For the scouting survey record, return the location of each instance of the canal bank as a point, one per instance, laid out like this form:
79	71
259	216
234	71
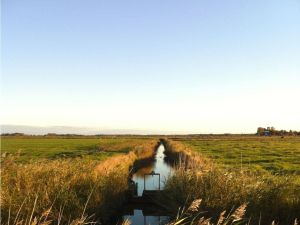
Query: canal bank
145	204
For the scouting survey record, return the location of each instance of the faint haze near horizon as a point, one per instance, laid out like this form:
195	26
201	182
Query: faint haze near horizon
153	66
43	130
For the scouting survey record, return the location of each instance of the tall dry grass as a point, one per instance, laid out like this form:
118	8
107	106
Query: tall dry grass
70	191
268	198
194	216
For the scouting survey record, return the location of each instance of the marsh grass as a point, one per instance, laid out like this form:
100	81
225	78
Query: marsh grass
193	215
268	197
66	191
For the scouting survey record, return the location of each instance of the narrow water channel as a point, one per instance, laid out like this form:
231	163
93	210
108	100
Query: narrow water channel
159	166
151	182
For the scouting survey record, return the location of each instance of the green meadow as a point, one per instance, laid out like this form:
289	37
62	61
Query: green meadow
274	155
26	148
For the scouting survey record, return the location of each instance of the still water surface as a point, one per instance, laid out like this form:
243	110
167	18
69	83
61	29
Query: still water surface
159	165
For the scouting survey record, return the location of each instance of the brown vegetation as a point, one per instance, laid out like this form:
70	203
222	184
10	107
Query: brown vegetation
268	198
69	191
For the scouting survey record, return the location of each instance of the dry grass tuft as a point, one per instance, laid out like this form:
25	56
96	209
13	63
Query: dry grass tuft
192	216
239	213
194	207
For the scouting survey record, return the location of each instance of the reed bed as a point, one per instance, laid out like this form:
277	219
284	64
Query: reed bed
268	197
193	215
66	191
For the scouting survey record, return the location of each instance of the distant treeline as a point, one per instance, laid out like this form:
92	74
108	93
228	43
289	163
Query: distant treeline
261	131
270	131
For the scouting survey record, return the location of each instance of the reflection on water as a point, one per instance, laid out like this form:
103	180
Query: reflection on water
160	166
138	219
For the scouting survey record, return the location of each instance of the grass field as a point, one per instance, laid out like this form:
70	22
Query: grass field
261	172
275	155
70	178
35	148
66	180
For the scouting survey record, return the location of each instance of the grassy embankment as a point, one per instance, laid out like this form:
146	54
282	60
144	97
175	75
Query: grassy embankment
70	180
226	172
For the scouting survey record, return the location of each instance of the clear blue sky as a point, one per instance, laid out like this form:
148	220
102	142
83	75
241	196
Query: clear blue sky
187	66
